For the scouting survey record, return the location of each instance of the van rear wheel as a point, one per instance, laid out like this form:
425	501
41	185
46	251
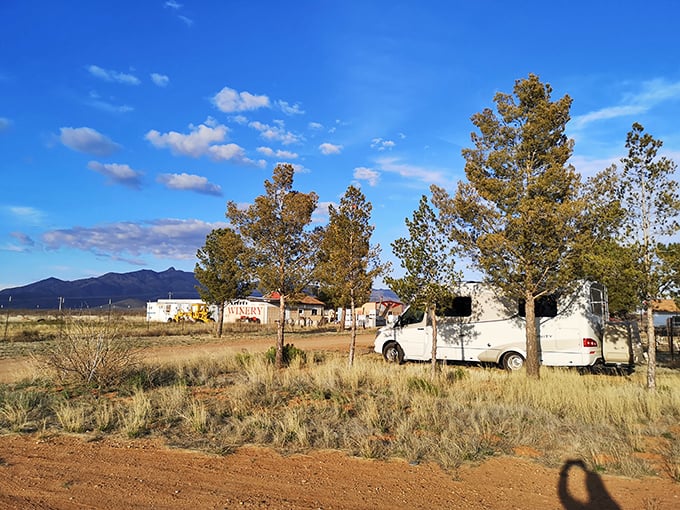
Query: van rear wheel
393	353
513	361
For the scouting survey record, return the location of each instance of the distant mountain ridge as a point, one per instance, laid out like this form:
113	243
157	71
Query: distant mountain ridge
121	290
128	290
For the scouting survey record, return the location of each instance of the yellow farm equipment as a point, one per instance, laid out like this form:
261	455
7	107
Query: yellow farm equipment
199	312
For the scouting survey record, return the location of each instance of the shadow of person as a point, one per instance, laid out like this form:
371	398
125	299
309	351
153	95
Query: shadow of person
597	499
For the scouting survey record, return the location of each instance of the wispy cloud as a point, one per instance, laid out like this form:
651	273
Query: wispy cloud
163	238
316	126
369	175
202	141
160	79
5	123
290	109
327	148
97	102
25	214
23	243
425	175
88	141
176	6
114	76
277	132
271	153
229	100
189	182
381	145
118	174
652	93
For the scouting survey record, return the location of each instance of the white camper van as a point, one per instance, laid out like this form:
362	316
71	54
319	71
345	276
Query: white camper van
480	326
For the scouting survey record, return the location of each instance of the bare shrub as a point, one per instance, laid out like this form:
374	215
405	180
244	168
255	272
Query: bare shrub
90	352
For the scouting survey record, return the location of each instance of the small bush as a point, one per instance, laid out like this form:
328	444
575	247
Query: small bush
90	353
290	352
30	335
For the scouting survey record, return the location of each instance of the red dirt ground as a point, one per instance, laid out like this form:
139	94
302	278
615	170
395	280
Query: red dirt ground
76	472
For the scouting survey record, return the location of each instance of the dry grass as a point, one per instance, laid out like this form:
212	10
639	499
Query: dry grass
376	410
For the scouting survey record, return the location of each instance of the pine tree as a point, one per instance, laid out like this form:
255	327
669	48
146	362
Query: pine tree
223	271
650	197
520	216
348	263
283	248
429	267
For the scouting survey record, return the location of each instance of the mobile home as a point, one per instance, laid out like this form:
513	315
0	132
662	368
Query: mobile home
479	325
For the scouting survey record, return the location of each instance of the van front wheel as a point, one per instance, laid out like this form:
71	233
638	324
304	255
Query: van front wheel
393	353
513	361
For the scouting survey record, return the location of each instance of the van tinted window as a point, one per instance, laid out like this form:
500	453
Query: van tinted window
411	316
459	306
545	306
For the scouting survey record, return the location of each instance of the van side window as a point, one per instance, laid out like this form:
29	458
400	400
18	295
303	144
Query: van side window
598	300
459	306
545	306
411	316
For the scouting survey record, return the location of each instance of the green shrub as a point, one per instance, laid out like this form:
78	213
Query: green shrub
290	352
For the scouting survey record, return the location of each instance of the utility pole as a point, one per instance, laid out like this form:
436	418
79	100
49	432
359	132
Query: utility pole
7	319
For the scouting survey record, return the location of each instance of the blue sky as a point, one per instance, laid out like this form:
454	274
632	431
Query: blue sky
126	126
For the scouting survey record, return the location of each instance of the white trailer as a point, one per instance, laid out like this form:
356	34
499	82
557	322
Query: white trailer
165	310
481	326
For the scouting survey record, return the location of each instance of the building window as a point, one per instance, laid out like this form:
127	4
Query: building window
301	311
315	311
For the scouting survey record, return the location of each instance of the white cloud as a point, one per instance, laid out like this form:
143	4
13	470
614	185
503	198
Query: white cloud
187	21
96	102
381	145
316	126
276	133
194	144
5	123
25	214
652	93
115	76
367	174
201	141
290	109
117	173
88	141
190	182
160	79
424	175
229	100
173	5
271	153
329	148
163	238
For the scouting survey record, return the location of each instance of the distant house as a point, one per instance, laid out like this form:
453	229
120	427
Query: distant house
663	309
306	311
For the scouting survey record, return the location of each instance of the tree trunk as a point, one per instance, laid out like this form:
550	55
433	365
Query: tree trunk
533	362
433	318
651	348
341	319
220	319
353	334
279	331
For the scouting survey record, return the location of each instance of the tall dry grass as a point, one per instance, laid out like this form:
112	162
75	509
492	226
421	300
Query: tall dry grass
379	410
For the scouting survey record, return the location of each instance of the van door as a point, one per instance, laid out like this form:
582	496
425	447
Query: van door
413	334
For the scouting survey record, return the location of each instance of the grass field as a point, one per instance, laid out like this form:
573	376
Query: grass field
373	410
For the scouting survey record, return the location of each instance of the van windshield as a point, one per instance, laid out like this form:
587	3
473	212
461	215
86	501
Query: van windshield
411	316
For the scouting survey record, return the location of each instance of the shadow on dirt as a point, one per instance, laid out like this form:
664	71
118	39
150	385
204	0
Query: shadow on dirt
598	498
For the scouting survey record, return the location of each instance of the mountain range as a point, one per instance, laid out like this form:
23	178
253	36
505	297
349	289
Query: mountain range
119	290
